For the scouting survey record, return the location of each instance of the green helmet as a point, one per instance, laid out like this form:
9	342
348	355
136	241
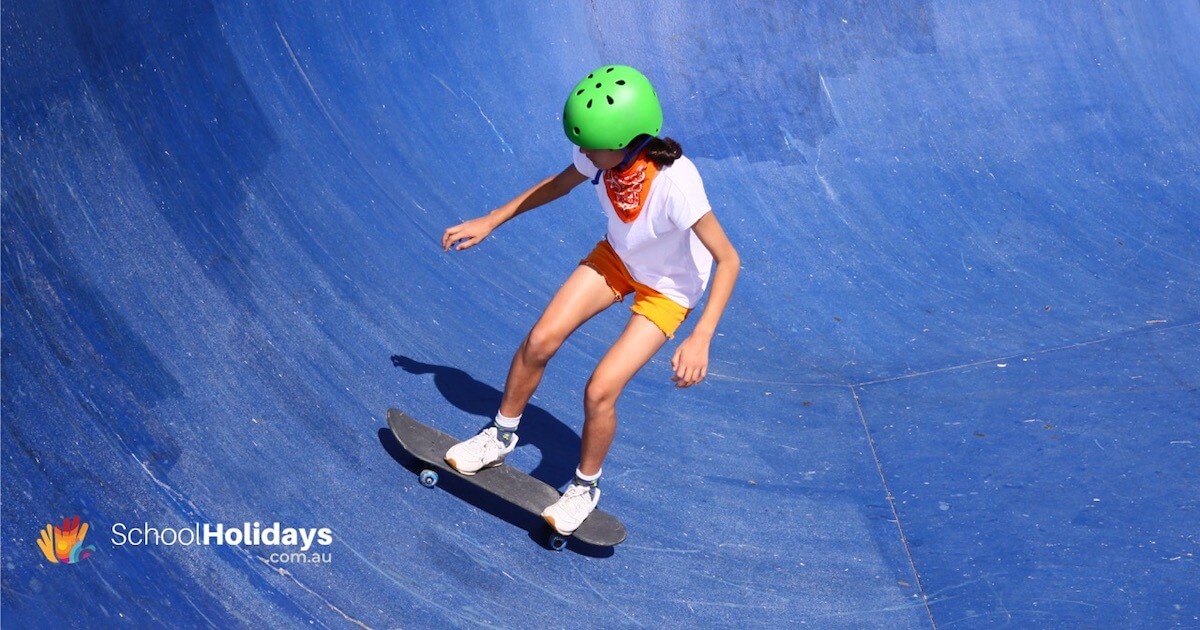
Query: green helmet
610	107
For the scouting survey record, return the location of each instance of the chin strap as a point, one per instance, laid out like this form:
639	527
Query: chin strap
629	156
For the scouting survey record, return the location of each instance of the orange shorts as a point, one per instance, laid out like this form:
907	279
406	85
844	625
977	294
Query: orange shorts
664	312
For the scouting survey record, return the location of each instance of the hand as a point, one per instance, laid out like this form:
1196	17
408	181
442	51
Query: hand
46	544
467	234
690	361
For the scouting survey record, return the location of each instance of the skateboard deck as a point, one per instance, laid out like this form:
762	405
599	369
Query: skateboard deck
504	482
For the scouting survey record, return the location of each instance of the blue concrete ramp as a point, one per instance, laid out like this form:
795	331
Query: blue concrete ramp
956	387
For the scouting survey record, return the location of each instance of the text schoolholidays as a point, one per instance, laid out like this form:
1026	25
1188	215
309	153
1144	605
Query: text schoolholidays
249	534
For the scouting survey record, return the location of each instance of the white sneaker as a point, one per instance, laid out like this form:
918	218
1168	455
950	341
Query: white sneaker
569	512
485	450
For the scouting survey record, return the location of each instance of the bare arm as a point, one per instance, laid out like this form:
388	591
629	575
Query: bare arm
470	233
690	361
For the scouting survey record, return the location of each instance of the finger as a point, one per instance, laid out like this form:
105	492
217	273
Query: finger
453	240
47	549
681	377
696	375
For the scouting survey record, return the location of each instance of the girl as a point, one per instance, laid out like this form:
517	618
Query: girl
661	243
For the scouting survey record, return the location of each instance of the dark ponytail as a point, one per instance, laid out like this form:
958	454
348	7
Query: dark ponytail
661	151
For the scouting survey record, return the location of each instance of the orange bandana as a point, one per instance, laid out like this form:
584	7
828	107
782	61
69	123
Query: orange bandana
628	189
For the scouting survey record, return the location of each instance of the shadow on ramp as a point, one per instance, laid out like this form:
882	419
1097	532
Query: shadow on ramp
558	443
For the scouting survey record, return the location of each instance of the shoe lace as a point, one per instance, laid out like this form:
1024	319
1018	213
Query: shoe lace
478	445
578	499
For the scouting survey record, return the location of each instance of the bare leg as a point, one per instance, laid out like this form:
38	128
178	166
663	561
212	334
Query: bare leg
584	294
632	350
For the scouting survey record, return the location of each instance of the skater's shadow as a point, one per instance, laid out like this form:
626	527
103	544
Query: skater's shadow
558	443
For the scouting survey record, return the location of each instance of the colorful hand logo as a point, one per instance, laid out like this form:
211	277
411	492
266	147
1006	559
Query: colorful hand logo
65	544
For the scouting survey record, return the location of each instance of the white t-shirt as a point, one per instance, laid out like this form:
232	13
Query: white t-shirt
658	247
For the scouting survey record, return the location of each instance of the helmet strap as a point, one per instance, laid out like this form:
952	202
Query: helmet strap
629	157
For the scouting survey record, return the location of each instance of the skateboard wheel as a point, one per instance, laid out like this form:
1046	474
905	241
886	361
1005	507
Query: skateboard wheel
558	542
429	478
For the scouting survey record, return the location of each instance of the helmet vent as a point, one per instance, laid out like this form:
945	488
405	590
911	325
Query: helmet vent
589	104
610	101
620	81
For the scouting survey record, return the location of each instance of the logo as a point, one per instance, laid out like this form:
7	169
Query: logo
272	537
248	534
64	544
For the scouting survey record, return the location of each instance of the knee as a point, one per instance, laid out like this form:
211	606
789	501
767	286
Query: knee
539	347
600	395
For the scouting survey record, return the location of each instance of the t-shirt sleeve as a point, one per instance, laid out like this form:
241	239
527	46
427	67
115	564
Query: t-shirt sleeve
688	200
582	164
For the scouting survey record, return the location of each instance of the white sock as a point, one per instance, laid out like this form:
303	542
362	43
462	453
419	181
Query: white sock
587	480
506	424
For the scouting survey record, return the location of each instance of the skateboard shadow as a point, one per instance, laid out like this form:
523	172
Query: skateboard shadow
558	443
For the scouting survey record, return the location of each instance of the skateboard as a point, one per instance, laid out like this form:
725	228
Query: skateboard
504	482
